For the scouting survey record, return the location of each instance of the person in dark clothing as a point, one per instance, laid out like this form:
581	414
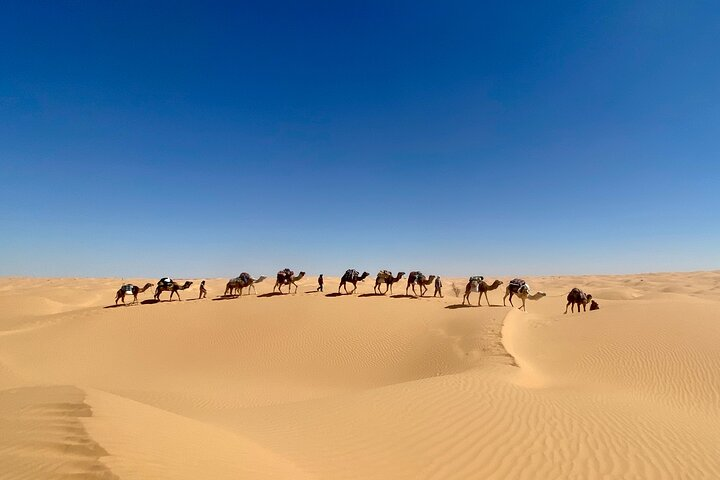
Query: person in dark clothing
203	291
320	283
438	287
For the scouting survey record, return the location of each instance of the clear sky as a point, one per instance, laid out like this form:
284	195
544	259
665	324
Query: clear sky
205	139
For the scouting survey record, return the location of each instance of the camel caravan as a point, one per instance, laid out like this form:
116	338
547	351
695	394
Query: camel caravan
517	287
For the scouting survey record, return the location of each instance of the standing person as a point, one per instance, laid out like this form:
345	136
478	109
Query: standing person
203	291
320	283
438	287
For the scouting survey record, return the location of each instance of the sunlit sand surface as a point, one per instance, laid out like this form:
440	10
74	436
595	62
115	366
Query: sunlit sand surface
361	387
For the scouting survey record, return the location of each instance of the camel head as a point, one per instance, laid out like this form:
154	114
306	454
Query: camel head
536	296
260	278
147	285
400	275
363	276
589	298
496	283
431	278
187	284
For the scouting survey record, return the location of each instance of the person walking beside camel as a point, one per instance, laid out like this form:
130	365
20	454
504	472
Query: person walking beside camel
438	287
203	291
320	283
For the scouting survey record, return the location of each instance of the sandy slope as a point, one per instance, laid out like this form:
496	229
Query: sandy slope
316	386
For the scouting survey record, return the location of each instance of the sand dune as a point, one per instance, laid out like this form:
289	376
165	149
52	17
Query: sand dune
322	386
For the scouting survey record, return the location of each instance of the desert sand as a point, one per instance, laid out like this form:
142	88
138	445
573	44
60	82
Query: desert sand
310	386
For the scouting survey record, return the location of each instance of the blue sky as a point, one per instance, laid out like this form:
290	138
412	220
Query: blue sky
205	139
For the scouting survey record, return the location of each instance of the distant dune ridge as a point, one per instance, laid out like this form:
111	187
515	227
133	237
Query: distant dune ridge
320	386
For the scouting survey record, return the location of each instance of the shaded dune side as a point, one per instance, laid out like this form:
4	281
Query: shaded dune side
43	435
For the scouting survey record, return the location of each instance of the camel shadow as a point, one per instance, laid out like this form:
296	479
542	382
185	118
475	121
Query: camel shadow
458	305
364	295
335	294
120	305
405	296
272	294
225	297
311	291
151	301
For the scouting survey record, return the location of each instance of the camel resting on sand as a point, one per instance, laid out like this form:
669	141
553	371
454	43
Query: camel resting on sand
130	289
577	296
241	281
594	306
479	286
168	285
417	278
520	288
286	277
386	277
351	276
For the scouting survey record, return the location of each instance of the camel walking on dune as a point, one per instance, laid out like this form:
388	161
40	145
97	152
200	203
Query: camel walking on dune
130	289
168	285
386	277
244	280
417	278
351	276
286	277
577	297
521	289
477	284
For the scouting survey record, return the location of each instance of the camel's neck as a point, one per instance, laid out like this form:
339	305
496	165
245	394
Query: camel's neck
397	279
493	286
295	279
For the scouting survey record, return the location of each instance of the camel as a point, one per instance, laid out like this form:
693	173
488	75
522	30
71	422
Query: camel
352	276
577	296
479	286
417	278
594	306
128	289
241	281
519	287
387	278
285	277
165	285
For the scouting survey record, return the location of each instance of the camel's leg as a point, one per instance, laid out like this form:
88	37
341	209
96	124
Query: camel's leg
510	299
566	307
339	287
388	287
583	308
506	295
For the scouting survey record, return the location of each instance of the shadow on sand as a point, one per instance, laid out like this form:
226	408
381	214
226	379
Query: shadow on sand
272	294
121	305
335	294
364	295
311	291
224	297
459	305
152	301
405	296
